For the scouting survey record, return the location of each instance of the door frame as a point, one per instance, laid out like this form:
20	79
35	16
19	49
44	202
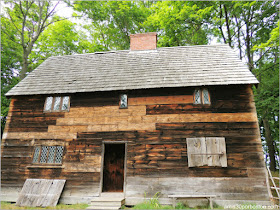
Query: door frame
102	164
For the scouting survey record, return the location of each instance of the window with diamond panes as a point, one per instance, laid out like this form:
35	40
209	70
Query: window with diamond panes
123	101
48	106
197	97
201	96
56	104
36	154
206	99
59	154
48	154
65	103
44	154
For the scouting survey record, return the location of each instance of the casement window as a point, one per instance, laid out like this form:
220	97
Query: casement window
48	154
123	101
57	104
201	96
206	151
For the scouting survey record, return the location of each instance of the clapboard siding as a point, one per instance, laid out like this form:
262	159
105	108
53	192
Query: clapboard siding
155	127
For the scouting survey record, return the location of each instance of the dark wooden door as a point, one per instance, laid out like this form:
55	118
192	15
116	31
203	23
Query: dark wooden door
113	170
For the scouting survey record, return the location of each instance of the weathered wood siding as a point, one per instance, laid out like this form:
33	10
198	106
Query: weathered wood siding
155	126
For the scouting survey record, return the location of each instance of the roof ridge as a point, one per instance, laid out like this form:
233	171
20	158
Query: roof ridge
120	51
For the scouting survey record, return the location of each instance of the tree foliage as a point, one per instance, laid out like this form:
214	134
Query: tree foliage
60	38
28	19
180	23
267	95
113	21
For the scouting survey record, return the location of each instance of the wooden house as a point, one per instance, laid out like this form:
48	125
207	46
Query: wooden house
173	120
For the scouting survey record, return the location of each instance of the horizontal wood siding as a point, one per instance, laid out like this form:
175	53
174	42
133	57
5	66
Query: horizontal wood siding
155	126
26	114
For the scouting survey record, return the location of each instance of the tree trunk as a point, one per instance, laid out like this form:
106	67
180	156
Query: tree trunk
270	144
227	24
24	65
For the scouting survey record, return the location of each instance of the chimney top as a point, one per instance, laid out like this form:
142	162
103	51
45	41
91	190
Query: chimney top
146	41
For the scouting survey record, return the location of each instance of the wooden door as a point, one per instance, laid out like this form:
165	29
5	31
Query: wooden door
113	170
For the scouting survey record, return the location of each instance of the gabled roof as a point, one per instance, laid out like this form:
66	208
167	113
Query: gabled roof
126	70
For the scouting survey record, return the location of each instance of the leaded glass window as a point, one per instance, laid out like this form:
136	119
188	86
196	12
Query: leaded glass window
206	99
36	154
65	103
51	154
201	96
123	101
44	154
48	105
57	103
48	154
59	154
197	97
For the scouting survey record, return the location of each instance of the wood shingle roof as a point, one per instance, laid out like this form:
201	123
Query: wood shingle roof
126	70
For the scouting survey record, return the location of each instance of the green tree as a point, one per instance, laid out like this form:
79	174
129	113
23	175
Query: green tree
28	19
243	24
60	38
180	23
10	62
113	21
267	94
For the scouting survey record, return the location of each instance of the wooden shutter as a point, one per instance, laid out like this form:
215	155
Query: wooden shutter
196	147
209	151
222	149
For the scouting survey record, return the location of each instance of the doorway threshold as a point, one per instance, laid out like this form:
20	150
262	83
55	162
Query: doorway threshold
112	194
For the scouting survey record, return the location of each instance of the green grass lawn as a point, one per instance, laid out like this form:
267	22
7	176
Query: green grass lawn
8	205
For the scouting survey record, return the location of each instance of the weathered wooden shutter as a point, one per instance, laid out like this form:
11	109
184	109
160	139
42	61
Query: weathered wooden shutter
196	147
216	151
210	151
222	150
40	192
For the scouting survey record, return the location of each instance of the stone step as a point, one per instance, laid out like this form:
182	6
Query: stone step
97	199
103	207
106	203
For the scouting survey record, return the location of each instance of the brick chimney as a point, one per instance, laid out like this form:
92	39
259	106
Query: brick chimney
147	41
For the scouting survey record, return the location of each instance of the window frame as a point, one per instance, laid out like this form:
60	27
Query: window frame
201	95
40	152
60	104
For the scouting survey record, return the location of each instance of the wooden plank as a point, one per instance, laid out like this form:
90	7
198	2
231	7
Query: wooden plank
212	148
222	149
26	197
182	99
221	107
51	198
43	190
192	196
196	146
